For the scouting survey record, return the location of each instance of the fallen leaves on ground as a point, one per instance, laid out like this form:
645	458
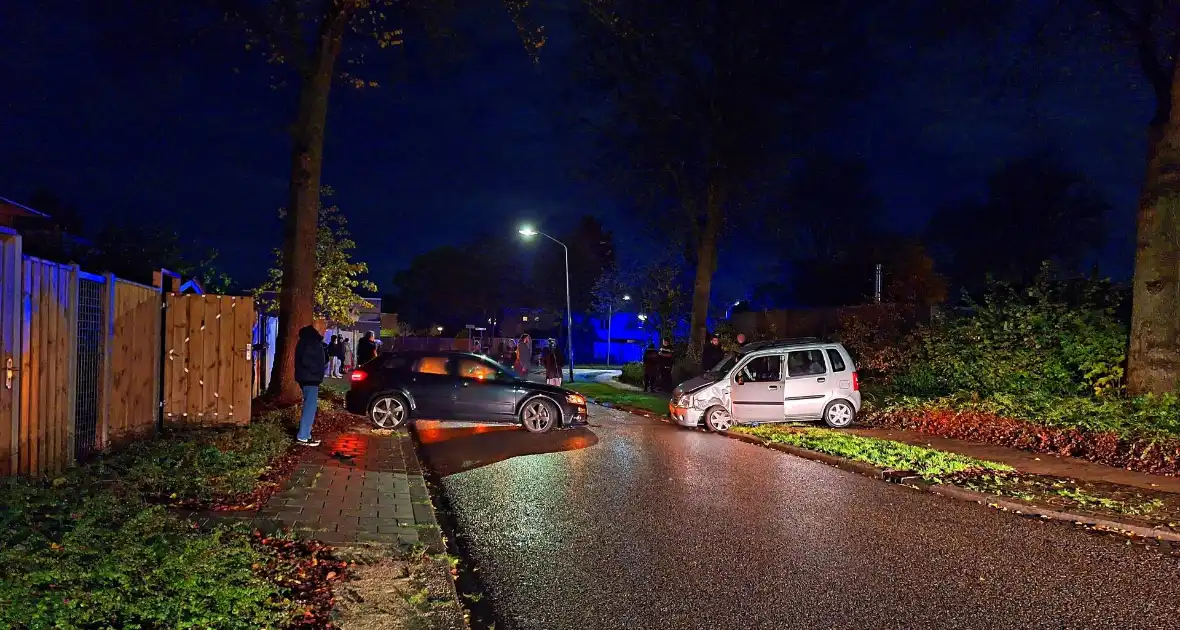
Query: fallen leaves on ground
305	571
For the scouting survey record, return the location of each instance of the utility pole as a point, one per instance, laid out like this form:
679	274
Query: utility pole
877	285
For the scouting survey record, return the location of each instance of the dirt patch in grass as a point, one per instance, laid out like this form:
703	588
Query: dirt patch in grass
408	592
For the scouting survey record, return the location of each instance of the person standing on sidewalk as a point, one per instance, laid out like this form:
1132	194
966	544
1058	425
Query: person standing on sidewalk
366	349
311	361
524	355
712	354
551	358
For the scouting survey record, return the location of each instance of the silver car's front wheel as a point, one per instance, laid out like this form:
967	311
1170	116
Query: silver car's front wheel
388	411
538	415
839	414
718	419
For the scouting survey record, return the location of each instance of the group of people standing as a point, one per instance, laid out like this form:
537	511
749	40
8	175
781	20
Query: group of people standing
338	350
519	354
657	364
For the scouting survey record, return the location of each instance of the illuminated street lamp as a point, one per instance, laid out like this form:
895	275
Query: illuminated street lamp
642	317
527	231
729	310
610	311
440	329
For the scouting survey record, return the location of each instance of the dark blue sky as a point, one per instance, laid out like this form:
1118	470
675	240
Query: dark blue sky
478	147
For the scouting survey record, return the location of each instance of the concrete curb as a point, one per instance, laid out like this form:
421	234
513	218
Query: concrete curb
994	501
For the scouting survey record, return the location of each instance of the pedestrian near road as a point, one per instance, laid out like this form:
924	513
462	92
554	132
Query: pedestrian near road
712	354
366	349
551	358
311	361
651	368
335	356
666	365
524	355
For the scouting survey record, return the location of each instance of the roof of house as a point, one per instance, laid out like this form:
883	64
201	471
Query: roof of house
12	208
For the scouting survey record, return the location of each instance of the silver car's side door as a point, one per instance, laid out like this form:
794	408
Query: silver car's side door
756	389
808	385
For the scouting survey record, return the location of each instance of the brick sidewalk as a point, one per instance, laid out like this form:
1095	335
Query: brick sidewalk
355	488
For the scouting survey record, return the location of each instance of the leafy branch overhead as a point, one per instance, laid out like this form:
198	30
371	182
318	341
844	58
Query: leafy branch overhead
283	31
338	277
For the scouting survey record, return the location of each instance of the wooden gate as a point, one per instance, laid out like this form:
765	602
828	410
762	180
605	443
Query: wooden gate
207	360
10	300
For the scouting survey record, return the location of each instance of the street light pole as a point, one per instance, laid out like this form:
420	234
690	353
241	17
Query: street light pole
610	313
569	314
610	318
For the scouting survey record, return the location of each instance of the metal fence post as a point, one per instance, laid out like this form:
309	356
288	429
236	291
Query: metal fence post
72	367
108	335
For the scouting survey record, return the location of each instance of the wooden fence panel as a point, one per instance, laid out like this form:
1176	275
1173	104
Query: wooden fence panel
207	360
47	349
135	356
10	352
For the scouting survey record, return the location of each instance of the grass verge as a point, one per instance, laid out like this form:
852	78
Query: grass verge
927	463
623	398
95	547
1151	508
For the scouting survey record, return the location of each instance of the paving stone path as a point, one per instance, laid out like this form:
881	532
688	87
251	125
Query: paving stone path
358	488
355	488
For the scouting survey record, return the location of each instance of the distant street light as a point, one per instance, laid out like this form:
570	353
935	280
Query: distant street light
440	329
610	312
527	231
729	310
642	317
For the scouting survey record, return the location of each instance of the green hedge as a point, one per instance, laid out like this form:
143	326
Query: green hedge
1055	338
91	550
632	374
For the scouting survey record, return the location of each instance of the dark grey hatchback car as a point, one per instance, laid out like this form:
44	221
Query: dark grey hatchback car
459	386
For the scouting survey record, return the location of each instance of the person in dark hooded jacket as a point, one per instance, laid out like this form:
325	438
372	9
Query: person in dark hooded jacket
311	360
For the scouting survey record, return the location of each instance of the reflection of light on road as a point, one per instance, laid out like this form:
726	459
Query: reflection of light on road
538	487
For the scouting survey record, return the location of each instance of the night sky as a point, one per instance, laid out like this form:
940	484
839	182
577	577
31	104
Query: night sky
479	146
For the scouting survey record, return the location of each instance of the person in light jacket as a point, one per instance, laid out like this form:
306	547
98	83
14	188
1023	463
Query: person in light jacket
311	361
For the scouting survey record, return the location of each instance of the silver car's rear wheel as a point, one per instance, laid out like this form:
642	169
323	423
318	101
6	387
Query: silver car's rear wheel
718	419
389	411
839	414
539	415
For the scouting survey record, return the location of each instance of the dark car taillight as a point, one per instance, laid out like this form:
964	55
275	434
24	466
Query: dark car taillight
360	375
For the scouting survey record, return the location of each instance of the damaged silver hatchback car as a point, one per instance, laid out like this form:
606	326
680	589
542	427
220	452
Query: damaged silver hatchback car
791	380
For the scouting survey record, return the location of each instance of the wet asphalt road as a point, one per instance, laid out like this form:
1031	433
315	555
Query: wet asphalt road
636	524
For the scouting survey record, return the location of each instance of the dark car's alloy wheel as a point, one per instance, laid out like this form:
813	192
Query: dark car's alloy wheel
538	415
388	411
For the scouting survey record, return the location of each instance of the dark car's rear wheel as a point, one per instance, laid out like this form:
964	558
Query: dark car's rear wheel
539	415
389	411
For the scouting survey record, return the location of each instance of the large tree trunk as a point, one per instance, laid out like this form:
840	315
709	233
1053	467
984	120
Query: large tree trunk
702	288
296	300
1153	361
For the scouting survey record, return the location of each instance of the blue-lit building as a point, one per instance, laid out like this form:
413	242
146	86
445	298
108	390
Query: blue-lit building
627	334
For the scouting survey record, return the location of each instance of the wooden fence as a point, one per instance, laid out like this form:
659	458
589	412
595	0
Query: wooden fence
207	370
81	354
